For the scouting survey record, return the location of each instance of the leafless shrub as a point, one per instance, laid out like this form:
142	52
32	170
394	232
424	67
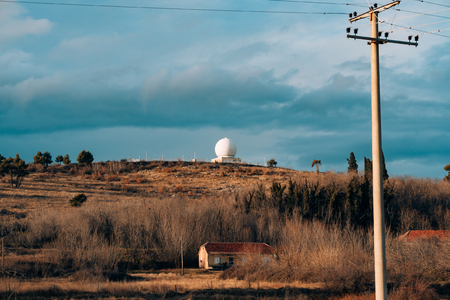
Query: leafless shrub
111	177
97	176
140	180
127	188
414	290
103	236
179	188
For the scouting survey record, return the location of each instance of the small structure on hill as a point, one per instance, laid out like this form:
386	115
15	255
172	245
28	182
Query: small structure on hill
226	151
425	235
223	255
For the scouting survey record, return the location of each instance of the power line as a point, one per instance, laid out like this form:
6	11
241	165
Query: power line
424	14
320	2
411	27
438	4
176	8
423	32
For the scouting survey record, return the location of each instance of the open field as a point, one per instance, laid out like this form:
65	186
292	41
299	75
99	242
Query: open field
194	284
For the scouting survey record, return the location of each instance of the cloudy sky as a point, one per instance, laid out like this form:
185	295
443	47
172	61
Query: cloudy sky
129	82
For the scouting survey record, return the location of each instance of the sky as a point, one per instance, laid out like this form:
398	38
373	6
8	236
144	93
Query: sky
167	83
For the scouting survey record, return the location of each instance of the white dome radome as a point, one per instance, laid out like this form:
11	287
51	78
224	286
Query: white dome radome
226	147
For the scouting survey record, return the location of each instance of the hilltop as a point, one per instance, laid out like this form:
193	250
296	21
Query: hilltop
53	186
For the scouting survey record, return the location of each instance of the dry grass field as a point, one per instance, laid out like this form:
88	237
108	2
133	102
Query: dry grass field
118	182
120	242
194	284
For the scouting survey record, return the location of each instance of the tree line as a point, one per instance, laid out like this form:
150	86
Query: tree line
16	168
349	204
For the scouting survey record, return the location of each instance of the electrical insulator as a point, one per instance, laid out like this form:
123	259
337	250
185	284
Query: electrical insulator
416	38
379	33
348	29
386	34
355	14
350	15
375	5
410	37
355	30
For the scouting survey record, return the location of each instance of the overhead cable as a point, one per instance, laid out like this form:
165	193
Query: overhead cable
434	3
320	2
176	8
411	27
423	32
431	13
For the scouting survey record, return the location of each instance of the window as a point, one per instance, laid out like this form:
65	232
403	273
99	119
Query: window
231	261
217	260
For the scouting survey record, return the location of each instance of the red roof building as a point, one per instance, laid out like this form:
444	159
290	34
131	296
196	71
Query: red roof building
416	235
222	255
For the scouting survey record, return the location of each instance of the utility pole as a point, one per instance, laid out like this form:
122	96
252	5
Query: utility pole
378	202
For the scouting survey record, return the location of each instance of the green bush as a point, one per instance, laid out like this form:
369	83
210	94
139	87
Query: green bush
78	200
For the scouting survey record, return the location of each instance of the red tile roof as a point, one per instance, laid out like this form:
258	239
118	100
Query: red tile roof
238	248
414	235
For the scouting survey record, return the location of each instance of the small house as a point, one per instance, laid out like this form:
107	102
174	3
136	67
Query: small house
223	255
425	235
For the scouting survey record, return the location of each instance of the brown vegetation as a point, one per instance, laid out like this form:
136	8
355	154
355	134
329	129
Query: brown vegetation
139	224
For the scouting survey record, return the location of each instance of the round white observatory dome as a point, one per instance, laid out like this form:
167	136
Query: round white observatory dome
226	147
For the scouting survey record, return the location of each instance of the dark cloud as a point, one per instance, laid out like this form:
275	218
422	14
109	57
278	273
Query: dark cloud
325	123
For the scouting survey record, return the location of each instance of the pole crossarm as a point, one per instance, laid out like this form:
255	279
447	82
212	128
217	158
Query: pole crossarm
375	10
381	41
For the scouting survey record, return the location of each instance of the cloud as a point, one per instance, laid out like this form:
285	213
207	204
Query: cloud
13	23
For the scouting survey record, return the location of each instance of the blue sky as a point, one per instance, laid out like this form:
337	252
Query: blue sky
135	82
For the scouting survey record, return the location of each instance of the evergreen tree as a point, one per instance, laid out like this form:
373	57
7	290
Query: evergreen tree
85	157
78	200
366	204
42	159
334	203
2	171
47	158
272	163
352	165
59	159
38	158
15	168
352	204
383	166
66	159
367	169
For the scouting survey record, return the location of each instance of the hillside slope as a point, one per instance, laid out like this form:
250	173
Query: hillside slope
52	187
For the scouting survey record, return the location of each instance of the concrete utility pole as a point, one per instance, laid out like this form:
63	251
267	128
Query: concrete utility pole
378	201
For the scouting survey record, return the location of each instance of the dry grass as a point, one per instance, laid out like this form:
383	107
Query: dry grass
168	201
193	284
45	190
